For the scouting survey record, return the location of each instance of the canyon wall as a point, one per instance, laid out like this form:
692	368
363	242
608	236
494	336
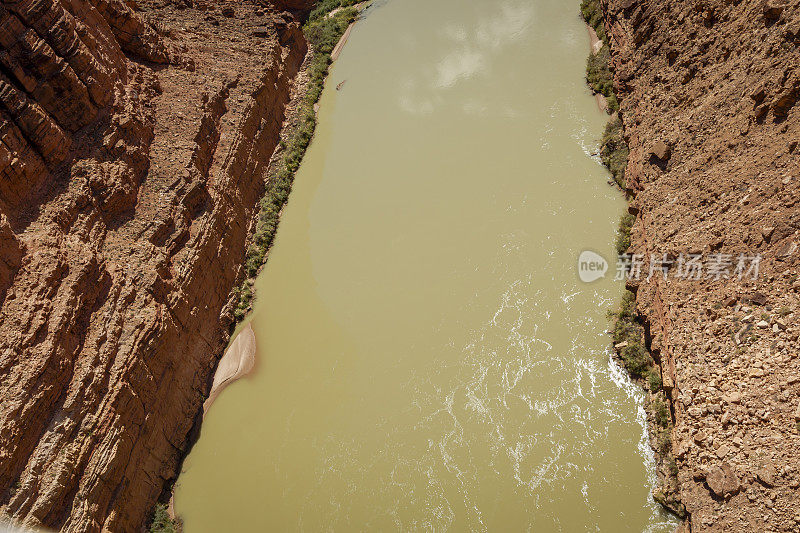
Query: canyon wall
135	142
709	94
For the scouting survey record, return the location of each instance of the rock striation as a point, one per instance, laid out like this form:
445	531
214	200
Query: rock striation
708	95
136	137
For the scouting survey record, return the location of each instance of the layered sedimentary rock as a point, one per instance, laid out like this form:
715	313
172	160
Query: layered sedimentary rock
709	96
135	143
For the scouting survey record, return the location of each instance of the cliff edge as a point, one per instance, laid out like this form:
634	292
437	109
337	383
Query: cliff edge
708	94
136	137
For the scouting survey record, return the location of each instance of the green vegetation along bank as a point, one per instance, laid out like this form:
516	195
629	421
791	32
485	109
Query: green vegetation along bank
325	26
628	334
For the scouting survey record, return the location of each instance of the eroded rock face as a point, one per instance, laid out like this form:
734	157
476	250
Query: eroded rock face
135	143
11	252
299	6
709	93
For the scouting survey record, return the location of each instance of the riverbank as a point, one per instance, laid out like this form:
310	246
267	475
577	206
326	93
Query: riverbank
630	339
239	358
712	171
595	45
325	29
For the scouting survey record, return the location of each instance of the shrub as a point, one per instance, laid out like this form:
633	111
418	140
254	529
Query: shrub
612	102
636	359
623	240
162	523
326	6
625	326
245	294
628	305
672	468
590	10
661	412
664	442
625	329
614	151
654	380
323	8
598	75
323	32
598	72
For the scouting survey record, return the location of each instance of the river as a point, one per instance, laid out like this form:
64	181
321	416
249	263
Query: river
427	357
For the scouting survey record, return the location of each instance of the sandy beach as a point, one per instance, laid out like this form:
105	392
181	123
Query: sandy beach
338	48
238	361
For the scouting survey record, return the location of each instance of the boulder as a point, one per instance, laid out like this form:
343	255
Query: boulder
772	10
766	475
758	94
723	481
758	298
661	150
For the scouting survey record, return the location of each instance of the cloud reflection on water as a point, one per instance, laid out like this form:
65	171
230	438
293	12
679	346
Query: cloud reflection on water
471	49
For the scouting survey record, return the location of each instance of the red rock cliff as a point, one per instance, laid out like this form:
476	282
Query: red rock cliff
709	95
135	141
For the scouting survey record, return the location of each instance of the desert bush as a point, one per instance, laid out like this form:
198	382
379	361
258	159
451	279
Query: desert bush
598	74
162	523
614	150
654	380
623	239
636	359
590	10
661	412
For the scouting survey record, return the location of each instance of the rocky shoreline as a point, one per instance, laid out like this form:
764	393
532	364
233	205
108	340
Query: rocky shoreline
240	356
711	125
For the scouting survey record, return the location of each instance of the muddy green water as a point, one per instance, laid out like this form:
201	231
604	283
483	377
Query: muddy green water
427	357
